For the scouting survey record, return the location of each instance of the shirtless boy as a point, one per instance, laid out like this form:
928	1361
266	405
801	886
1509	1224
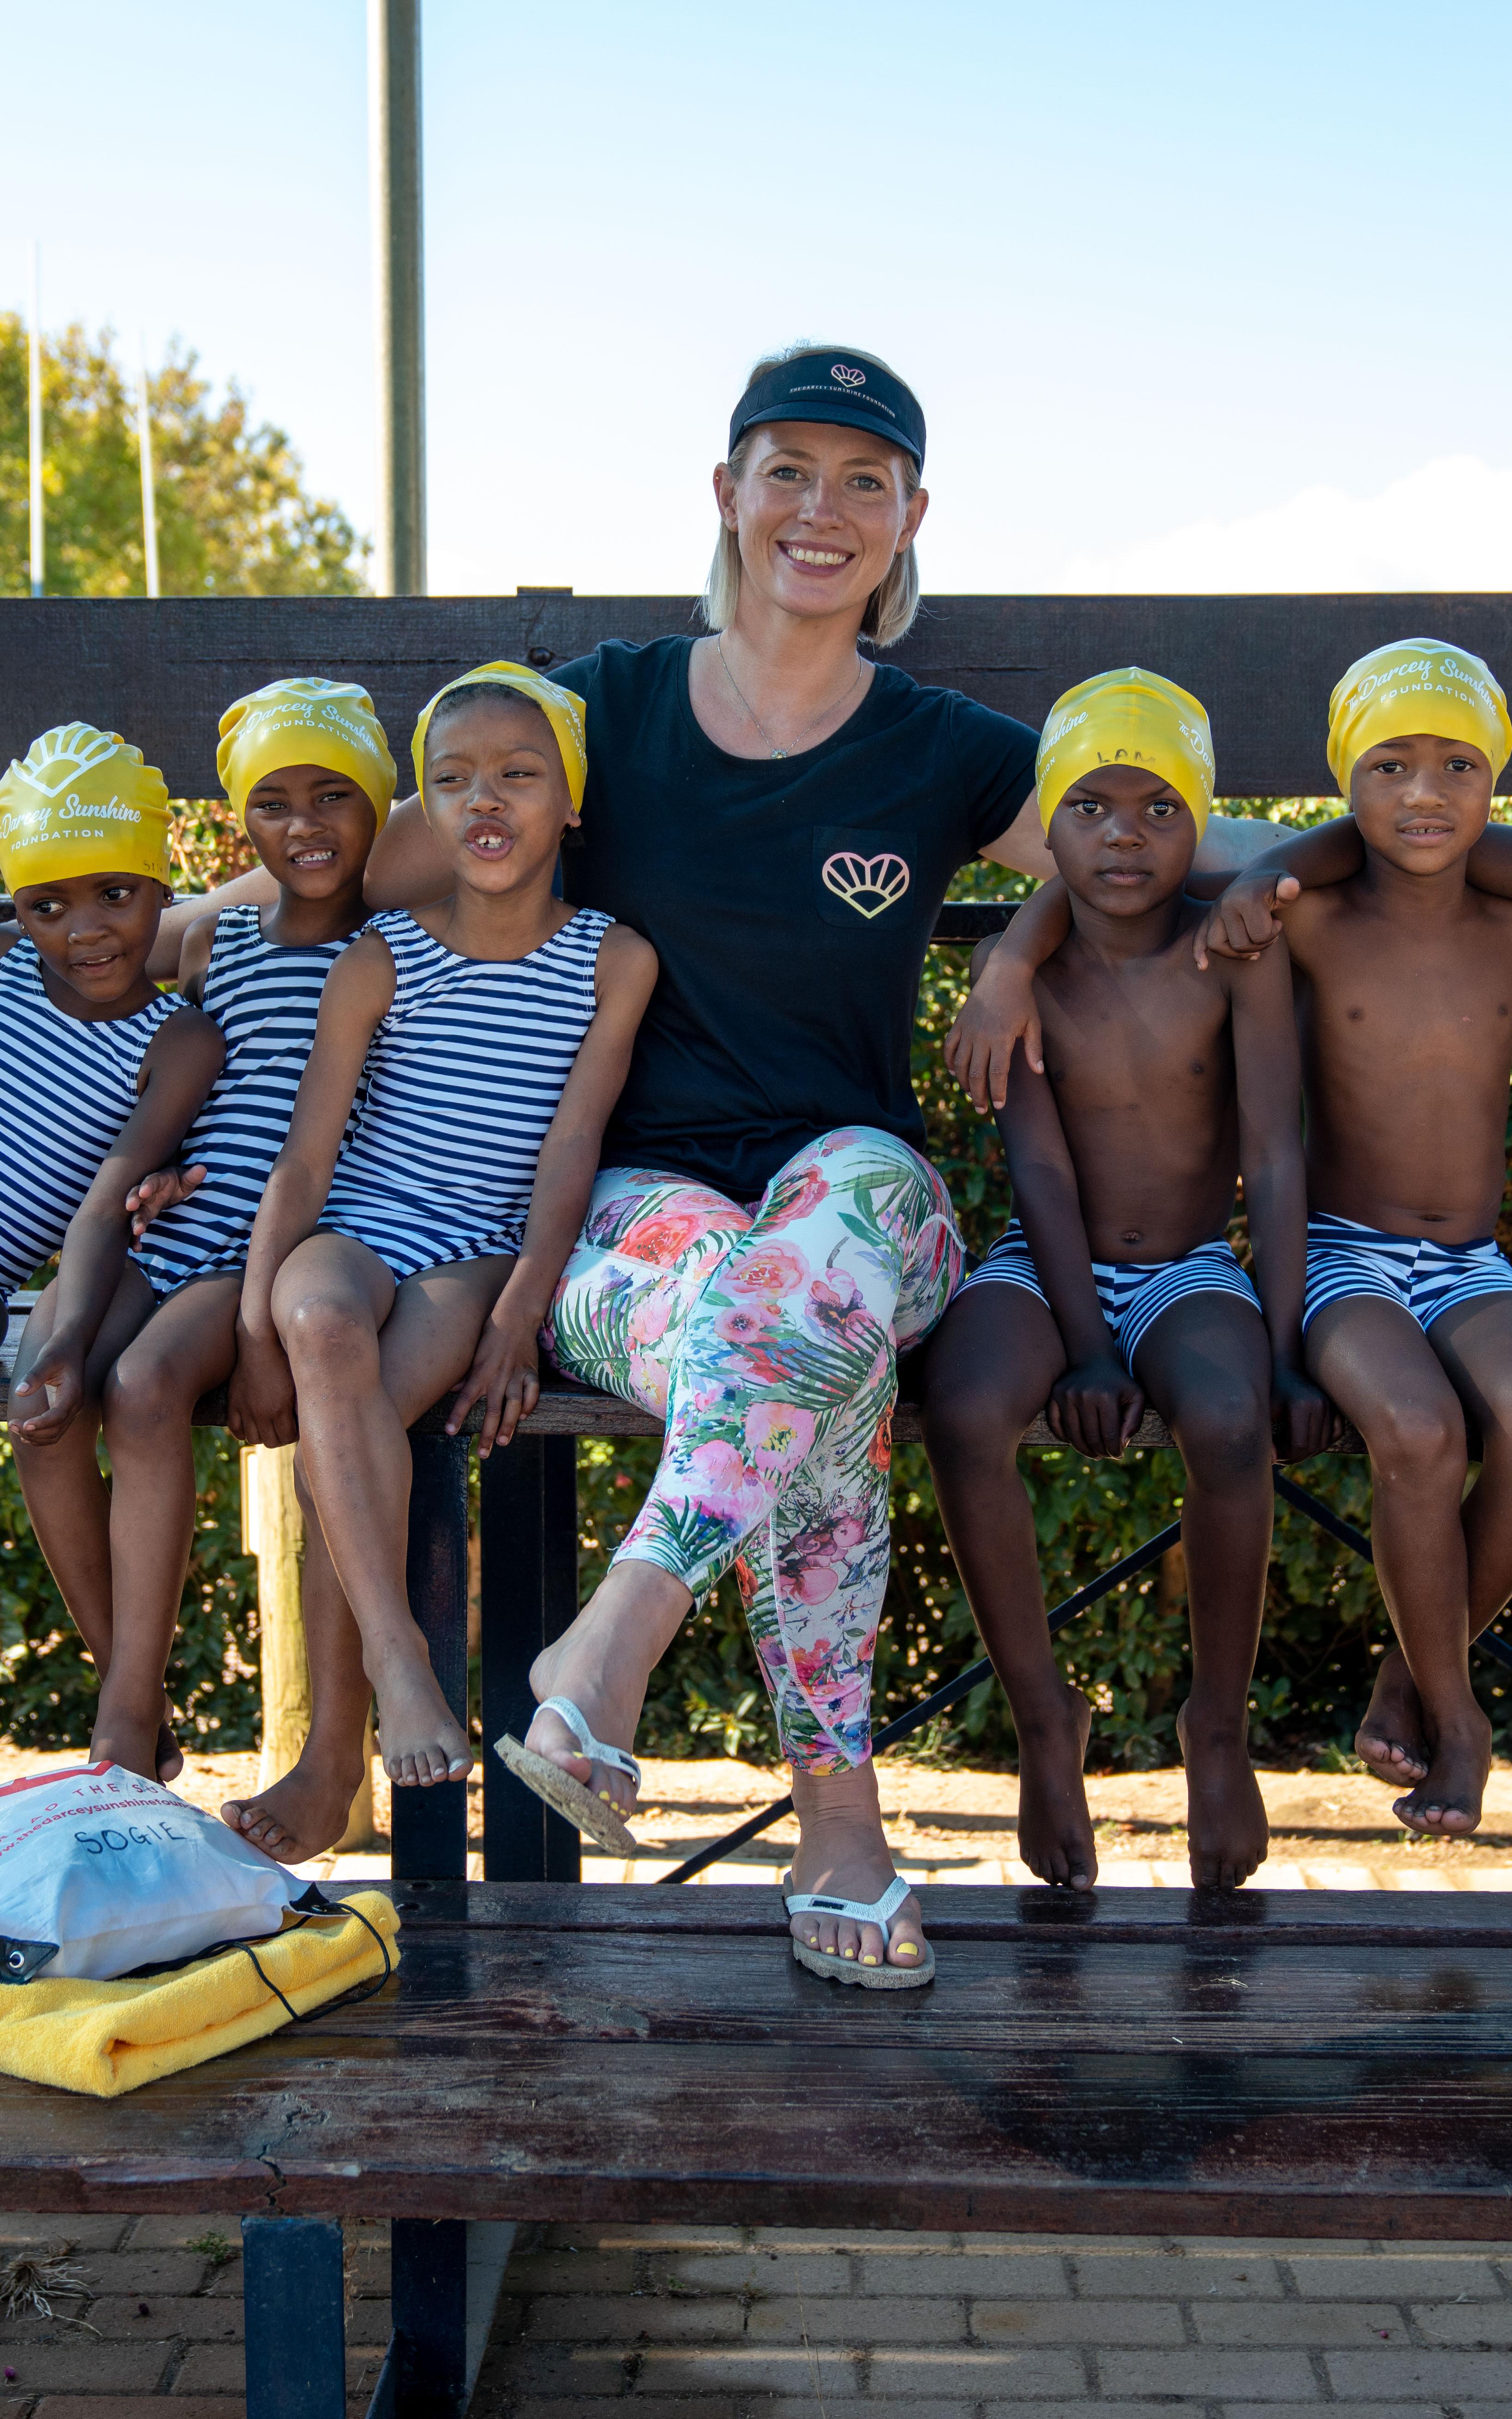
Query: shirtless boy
1115	1280
1404	976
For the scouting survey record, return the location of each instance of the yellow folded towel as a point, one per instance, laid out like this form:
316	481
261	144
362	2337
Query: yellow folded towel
108	2036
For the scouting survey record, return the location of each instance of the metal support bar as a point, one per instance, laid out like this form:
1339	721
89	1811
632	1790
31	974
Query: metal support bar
398	292
429	2260
528	1545
429	1827
296	2349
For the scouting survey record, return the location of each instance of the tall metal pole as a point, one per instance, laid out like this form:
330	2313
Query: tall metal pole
34	439
398	292
143	449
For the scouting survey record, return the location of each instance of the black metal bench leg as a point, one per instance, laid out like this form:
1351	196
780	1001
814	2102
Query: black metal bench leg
430	2273
429	1827
529	1549
295	2328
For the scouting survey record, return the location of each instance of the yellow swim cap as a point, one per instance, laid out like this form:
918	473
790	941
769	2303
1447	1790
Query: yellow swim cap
1126	717
82	802
560	707
325	722
1417	686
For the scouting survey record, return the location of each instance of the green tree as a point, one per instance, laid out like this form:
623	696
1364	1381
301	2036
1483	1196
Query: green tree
234	518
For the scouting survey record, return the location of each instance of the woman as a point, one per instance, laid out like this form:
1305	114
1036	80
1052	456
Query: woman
781	817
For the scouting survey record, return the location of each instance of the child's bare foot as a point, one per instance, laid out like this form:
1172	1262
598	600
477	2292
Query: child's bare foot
1391	1741
419	1737
1447	1805
1055	1828
127	1736
168	1756
300	1816
1227	1833
843	1852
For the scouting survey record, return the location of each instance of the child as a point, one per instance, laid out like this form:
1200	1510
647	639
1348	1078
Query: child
98	1077
1117	1262
485	1038
306	767
1405	993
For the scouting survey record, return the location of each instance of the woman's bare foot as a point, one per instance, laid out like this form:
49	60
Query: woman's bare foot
419	1737
1446	1804
1055	1830
1391	1741
1227	1833
602	1665
842	1850
300	1816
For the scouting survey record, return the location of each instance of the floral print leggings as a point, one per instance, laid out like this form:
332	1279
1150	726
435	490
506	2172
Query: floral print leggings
768	1339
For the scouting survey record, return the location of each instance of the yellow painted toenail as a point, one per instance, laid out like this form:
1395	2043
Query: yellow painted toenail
906	1949
604	1794
869	1961
847	1952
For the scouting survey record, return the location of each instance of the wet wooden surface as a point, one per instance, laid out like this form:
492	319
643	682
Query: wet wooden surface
1141	2062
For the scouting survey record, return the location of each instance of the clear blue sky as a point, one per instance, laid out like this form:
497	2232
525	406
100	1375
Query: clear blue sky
1193	294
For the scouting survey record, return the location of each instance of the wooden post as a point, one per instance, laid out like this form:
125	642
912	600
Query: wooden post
272	1528
398	292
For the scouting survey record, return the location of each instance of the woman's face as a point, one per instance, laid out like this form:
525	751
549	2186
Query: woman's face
820	512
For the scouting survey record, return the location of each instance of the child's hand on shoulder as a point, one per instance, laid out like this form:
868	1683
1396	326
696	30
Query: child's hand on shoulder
506	1373
260	1406
1303	1420
163	1190
54	1385
1245	919
1096	1406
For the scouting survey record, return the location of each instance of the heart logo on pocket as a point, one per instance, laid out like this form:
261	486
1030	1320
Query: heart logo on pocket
868	883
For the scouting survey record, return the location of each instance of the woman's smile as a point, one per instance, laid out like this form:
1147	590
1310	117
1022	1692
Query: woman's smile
813	556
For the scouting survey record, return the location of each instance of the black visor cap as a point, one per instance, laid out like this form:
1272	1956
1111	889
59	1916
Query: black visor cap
836	387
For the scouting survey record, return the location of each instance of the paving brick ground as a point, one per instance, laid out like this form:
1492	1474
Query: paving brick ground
768	2324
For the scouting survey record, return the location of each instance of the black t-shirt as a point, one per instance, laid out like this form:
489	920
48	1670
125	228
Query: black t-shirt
789	902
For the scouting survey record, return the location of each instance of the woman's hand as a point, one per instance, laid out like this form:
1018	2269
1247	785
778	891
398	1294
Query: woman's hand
260	1406
1096	1406
163	1190
55	1382
506	1372
1303	1420
1244	920
999	1013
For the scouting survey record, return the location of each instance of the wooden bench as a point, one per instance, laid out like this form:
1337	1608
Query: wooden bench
1139	2060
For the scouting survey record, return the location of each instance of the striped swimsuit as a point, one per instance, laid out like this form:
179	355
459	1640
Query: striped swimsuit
463	1077
1345	1260
264	999
1133	1293
67	1088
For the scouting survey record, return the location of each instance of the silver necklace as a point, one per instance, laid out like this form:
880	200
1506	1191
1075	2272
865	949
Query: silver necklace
860	667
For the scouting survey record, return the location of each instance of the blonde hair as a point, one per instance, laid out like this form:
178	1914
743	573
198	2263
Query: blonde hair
892	604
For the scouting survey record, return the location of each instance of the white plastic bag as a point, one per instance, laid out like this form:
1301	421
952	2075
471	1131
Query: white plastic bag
120	1872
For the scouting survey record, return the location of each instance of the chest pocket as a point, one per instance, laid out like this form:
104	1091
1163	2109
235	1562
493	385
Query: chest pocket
862	877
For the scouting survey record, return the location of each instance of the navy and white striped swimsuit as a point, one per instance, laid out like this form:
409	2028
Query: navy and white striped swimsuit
463	1077
1133	1293
266	999
68	1086
1346	1259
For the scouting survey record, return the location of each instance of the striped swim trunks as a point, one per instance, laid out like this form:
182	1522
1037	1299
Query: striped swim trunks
1133	1293
1427	1278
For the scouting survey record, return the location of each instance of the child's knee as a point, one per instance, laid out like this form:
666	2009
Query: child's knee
967	1428
1226	1436
144	1388
319	1328
1409	1437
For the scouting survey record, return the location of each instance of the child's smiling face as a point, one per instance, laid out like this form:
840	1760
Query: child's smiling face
1123	840
496	793
1421	802
94	932
312	828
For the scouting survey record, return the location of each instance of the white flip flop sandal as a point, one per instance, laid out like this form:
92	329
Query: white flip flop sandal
836	1968
567	1796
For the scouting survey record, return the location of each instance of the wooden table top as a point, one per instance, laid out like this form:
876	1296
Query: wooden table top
1138	2061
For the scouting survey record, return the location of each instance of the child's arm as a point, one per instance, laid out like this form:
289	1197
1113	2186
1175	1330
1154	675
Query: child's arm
1268	1079
1244	919
358	993
167	1186
1095	1406
405	867
505	1368
1001	1010
179	1067
255	890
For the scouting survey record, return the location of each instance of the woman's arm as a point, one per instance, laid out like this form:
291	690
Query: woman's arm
179	1067
406	869
505	1368
257	889
1267	1080
358	993
1096	1405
